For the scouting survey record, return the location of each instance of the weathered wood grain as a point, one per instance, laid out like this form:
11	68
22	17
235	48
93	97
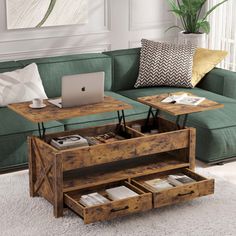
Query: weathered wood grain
52	112
192	148
124	149
42	162
32	167
58	186
75	181
178	109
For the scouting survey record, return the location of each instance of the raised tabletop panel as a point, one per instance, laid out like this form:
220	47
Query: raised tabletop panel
52	112
178	109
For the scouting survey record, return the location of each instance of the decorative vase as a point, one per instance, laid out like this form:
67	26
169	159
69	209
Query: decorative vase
197	39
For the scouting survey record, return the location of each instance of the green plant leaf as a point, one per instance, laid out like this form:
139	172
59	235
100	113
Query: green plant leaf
177	12
204	25
213	8
189	12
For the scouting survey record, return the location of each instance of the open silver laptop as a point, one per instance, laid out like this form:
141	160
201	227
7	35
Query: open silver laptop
81	89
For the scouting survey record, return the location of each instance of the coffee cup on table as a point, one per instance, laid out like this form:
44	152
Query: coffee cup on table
37	102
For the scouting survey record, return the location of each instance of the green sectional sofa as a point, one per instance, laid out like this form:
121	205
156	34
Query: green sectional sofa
216	130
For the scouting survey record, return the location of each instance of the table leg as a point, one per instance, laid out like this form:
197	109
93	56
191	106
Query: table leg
154	116
148	118
41	130
179	126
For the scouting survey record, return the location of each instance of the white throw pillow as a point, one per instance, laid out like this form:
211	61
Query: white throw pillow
21	85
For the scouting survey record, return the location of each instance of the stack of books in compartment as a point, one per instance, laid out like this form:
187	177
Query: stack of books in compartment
93	199
116	193
168	182
69	141
120	192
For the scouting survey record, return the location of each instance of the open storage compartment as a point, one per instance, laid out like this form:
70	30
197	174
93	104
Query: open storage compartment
112	209
201	186
153	126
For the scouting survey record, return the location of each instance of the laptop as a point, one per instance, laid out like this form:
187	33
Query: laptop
80	89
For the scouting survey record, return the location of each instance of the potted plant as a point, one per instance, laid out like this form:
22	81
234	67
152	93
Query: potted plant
194	22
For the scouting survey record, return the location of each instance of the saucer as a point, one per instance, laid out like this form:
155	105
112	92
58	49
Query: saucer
37	107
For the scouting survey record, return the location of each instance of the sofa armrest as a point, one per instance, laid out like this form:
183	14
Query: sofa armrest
220	81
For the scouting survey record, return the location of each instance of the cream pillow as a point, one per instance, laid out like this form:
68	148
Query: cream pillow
205	60
21	85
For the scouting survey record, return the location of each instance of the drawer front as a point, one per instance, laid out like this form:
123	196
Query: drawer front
110	210
183	193
118	208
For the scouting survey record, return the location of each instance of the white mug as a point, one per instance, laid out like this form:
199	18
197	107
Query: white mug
37	102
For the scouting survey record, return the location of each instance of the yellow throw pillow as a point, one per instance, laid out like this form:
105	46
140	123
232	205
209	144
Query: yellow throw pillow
205	60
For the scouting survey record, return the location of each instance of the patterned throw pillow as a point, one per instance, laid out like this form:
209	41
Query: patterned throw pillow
21	85
165	64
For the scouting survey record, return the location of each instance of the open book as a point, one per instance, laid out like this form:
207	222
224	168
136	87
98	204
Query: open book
184	99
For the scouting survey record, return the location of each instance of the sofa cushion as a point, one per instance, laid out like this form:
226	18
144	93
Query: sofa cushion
125	66
139	111
12	123
218	126
53	68
165	64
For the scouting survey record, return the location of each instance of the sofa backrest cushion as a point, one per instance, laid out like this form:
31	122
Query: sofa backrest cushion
125	64
53	68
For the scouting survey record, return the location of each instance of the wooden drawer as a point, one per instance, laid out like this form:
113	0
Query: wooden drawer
109	210
182	193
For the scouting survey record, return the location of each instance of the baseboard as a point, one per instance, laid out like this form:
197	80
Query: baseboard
11	169
221	162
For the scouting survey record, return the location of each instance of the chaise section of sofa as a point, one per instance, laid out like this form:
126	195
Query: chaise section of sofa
216	130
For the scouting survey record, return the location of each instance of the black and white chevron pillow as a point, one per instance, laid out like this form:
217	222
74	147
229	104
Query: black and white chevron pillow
165	64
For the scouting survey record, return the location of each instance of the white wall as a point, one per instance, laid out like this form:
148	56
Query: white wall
112	24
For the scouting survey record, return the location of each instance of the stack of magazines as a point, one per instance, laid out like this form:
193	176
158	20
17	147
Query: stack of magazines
183	99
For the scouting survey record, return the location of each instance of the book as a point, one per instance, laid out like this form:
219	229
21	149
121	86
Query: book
93	199
99	197
159	184
184	99
120	192
179	179
69	141
88	201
